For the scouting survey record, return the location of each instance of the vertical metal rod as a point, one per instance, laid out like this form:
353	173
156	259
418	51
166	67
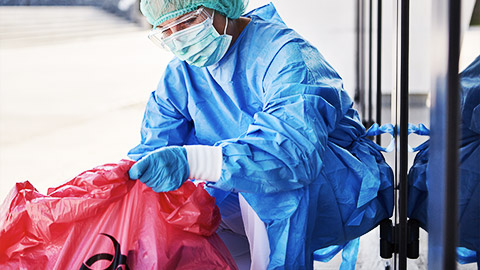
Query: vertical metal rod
404	55
395	104
361	64
378	117
356	97
444	156
370	56
452	135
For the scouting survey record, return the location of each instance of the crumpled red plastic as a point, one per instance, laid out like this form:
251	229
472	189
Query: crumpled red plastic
103	220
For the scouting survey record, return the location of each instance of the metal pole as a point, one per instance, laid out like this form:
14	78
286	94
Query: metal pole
360	63
452	135
370	43
356	97
404	55
379	68
444	139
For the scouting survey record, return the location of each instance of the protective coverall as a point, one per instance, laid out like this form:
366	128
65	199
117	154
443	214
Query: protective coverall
292	144
469	186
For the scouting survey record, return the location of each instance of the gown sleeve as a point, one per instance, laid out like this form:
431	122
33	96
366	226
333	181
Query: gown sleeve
283	148
166	120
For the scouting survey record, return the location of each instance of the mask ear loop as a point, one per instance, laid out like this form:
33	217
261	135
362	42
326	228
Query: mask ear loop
226	22
226	25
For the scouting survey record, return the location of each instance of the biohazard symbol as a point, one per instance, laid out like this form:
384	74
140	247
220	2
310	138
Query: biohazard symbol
117	261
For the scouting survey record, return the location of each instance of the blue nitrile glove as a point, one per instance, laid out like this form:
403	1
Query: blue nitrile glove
163	170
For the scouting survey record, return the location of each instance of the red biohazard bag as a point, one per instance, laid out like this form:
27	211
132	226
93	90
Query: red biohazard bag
103	220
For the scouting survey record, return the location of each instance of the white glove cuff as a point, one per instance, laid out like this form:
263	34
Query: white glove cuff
204	162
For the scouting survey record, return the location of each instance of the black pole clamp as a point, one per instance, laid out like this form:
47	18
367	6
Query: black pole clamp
389	239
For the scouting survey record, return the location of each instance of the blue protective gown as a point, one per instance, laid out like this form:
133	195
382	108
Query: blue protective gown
292	143
469	186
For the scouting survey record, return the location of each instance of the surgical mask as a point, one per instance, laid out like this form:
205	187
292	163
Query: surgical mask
199	45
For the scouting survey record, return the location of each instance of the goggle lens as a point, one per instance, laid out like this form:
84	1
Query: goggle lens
182	24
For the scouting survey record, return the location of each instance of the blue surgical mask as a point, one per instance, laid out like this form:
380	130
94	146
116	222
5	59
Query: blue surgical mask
200	45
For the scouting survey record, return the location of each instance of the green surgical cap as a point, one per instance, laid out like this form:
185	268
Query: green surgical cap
158	11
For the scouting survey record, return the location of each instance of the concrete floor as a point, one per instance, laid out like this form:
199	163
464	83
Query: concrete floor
73	85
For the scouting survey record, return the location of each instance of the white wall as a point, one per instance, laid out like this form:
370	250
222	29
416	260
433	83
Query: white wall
330	26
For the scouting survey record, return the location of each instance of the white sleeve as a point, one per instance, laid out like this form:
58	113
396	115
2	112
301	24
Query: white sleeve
204	162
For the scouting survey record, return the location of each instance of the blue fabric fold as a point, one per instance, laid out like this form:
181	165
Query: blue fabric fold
349	254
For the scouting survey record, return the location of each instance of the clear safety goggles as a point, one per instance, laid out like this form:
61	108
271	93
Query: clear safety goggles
180	27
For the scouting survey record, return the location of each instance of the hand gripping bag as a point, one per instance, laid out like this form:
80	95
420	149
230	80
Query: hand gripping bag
103	220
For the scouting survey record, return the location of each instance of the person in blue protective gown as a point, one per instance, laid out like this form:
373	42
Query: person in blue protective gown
469	171
253	109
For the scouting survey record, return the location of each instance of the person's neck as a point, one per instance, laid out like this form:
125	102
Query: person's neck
235	27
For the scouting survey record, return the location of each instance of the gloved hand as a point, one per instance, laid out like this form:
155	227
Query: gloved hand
163	170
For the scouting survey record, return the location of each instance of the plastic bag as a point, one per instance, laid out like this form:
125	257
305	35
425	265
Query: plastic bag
103	220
